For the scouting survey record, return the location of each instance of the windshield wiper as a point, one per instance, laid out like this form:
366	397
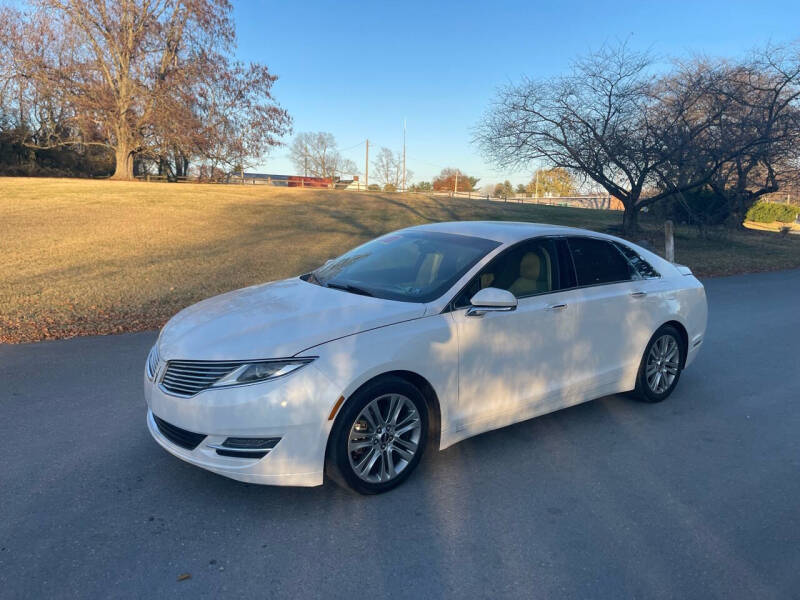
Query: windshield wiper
347	287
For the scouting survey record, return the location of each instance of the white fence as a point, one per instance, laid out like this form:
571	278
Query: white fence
595	202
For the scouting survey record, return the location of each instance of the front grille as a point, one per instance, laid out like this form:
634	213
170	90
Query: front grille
188	377
176	435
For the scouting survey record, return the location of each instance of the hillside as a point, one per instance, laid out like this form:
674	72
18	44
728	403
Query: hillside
83	257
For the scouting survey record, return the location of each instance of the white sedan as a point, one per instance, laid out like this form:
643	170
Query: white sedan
433	333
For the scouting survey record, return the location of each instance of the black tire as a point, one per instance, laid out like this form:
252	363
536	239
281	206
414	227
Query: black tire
339	467
644	391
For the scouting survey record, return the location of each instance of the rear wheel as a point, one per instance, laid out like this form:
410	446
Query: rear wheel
379	437
661	365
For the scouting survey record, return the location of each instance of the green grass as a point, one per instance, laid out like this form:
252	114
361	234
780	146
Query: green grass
86	257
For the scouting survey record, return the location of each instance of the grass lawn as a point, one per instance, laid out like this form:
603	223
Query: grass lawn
774	226
85	257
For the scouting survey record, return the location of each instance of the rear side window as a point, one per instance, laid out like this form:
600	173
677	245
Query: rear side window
598	261
567	273
644	268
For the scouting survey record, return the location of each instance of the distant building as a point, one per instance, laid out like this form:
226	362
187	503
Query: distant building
287	180
353	183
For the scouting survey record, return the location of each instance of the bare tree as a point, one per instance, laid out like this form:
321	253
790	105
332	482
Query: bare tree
763	122
387	168
316	154
748	123
345	166
144	76
605	120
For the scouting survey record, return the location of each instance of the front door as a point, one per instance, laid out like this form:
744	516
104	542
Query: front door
509	362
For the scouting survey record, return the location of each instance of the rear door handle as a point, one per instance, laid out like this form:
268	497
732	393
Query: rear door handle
638	294
556	307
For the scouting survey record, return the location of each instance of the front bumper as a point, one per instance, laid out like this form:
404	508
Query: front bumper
295	409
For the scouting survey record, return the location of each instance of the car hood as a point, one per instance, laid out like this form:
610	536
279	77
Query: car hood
275	320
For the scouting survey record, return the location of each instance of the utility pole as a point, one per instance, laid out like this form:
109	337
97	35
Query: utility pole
669	241
403	189
455	187
366	168
537	185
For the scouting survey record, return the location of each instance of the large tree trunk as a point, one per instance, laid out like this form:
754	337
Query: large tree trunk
740	203
124	168
630	218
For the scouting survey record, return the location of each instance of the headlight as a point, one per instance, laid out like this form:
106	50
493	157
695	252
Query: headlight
261	371
152	362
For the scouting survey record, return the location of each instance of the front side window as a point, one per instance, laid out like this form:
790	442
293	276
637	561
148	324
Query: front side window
410	266
526	270
598	261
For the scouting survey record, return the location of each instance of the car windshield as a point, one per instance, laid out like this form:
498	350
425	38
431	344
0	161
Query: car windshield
410	266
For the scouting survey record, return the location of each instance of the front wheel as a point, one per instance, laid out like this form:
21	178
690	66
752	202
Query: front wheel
661	365
379	437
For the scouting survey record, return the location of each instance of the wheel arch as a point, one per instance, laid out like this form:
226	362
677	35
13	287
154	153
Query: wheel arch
684	338
419	382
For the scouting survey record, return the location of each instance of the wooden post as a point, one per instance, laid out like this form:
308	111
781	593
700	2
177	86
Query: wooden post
669	241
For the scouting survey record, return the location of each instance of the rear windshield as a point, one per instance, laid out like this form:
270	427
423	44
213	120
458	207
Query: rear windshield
410	266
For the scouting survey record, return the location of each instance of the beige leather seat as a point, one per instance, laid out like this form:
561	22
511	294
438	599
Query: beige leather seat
534	277
487	279
428	270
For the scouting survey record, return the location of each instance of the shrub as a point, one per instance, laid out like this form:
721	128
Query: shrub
701	207
769	212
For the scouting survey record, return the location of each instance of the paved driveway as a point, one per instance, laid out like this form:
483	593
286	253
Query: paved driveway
697	497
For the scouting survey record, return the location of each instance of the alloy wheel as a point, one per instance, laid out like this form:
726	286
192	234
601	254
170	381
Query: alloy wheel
663	364
384	438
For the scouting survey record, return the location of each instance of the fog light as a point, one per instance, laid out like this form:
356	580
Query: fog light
251	443
239	447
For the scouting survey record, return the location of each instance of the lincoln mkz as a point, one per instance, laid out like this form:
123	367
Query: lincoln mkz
421	337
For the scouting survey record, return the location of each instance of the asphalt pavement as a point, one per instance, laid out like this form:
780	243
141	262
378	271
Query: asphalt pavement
696	497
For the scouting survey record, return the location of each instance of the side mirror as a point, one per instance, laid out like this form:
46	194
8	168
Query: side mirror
491	300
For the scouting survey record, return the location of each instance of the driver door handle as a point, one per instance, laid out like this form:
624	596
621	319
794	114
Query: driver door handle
638	294
556	307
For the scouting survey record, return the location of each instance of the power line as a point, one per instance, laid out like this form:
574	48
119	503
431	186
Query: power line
351	147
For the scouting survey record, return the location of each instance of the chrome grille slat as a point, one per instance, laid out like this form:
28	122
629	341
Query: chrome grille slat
190	385
208	373
185	370
183	377
199	364
182	389
187	377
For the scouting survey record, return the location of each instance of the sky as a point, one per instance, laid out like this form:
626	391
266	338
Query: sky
357	70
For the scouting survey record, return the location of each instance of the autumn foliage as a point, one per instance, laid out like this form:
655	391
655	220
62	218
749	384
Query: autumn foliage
454	180
148	80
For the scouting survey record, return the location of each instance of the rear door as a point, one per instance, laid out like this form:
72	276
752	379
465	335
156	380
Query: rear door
612	317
